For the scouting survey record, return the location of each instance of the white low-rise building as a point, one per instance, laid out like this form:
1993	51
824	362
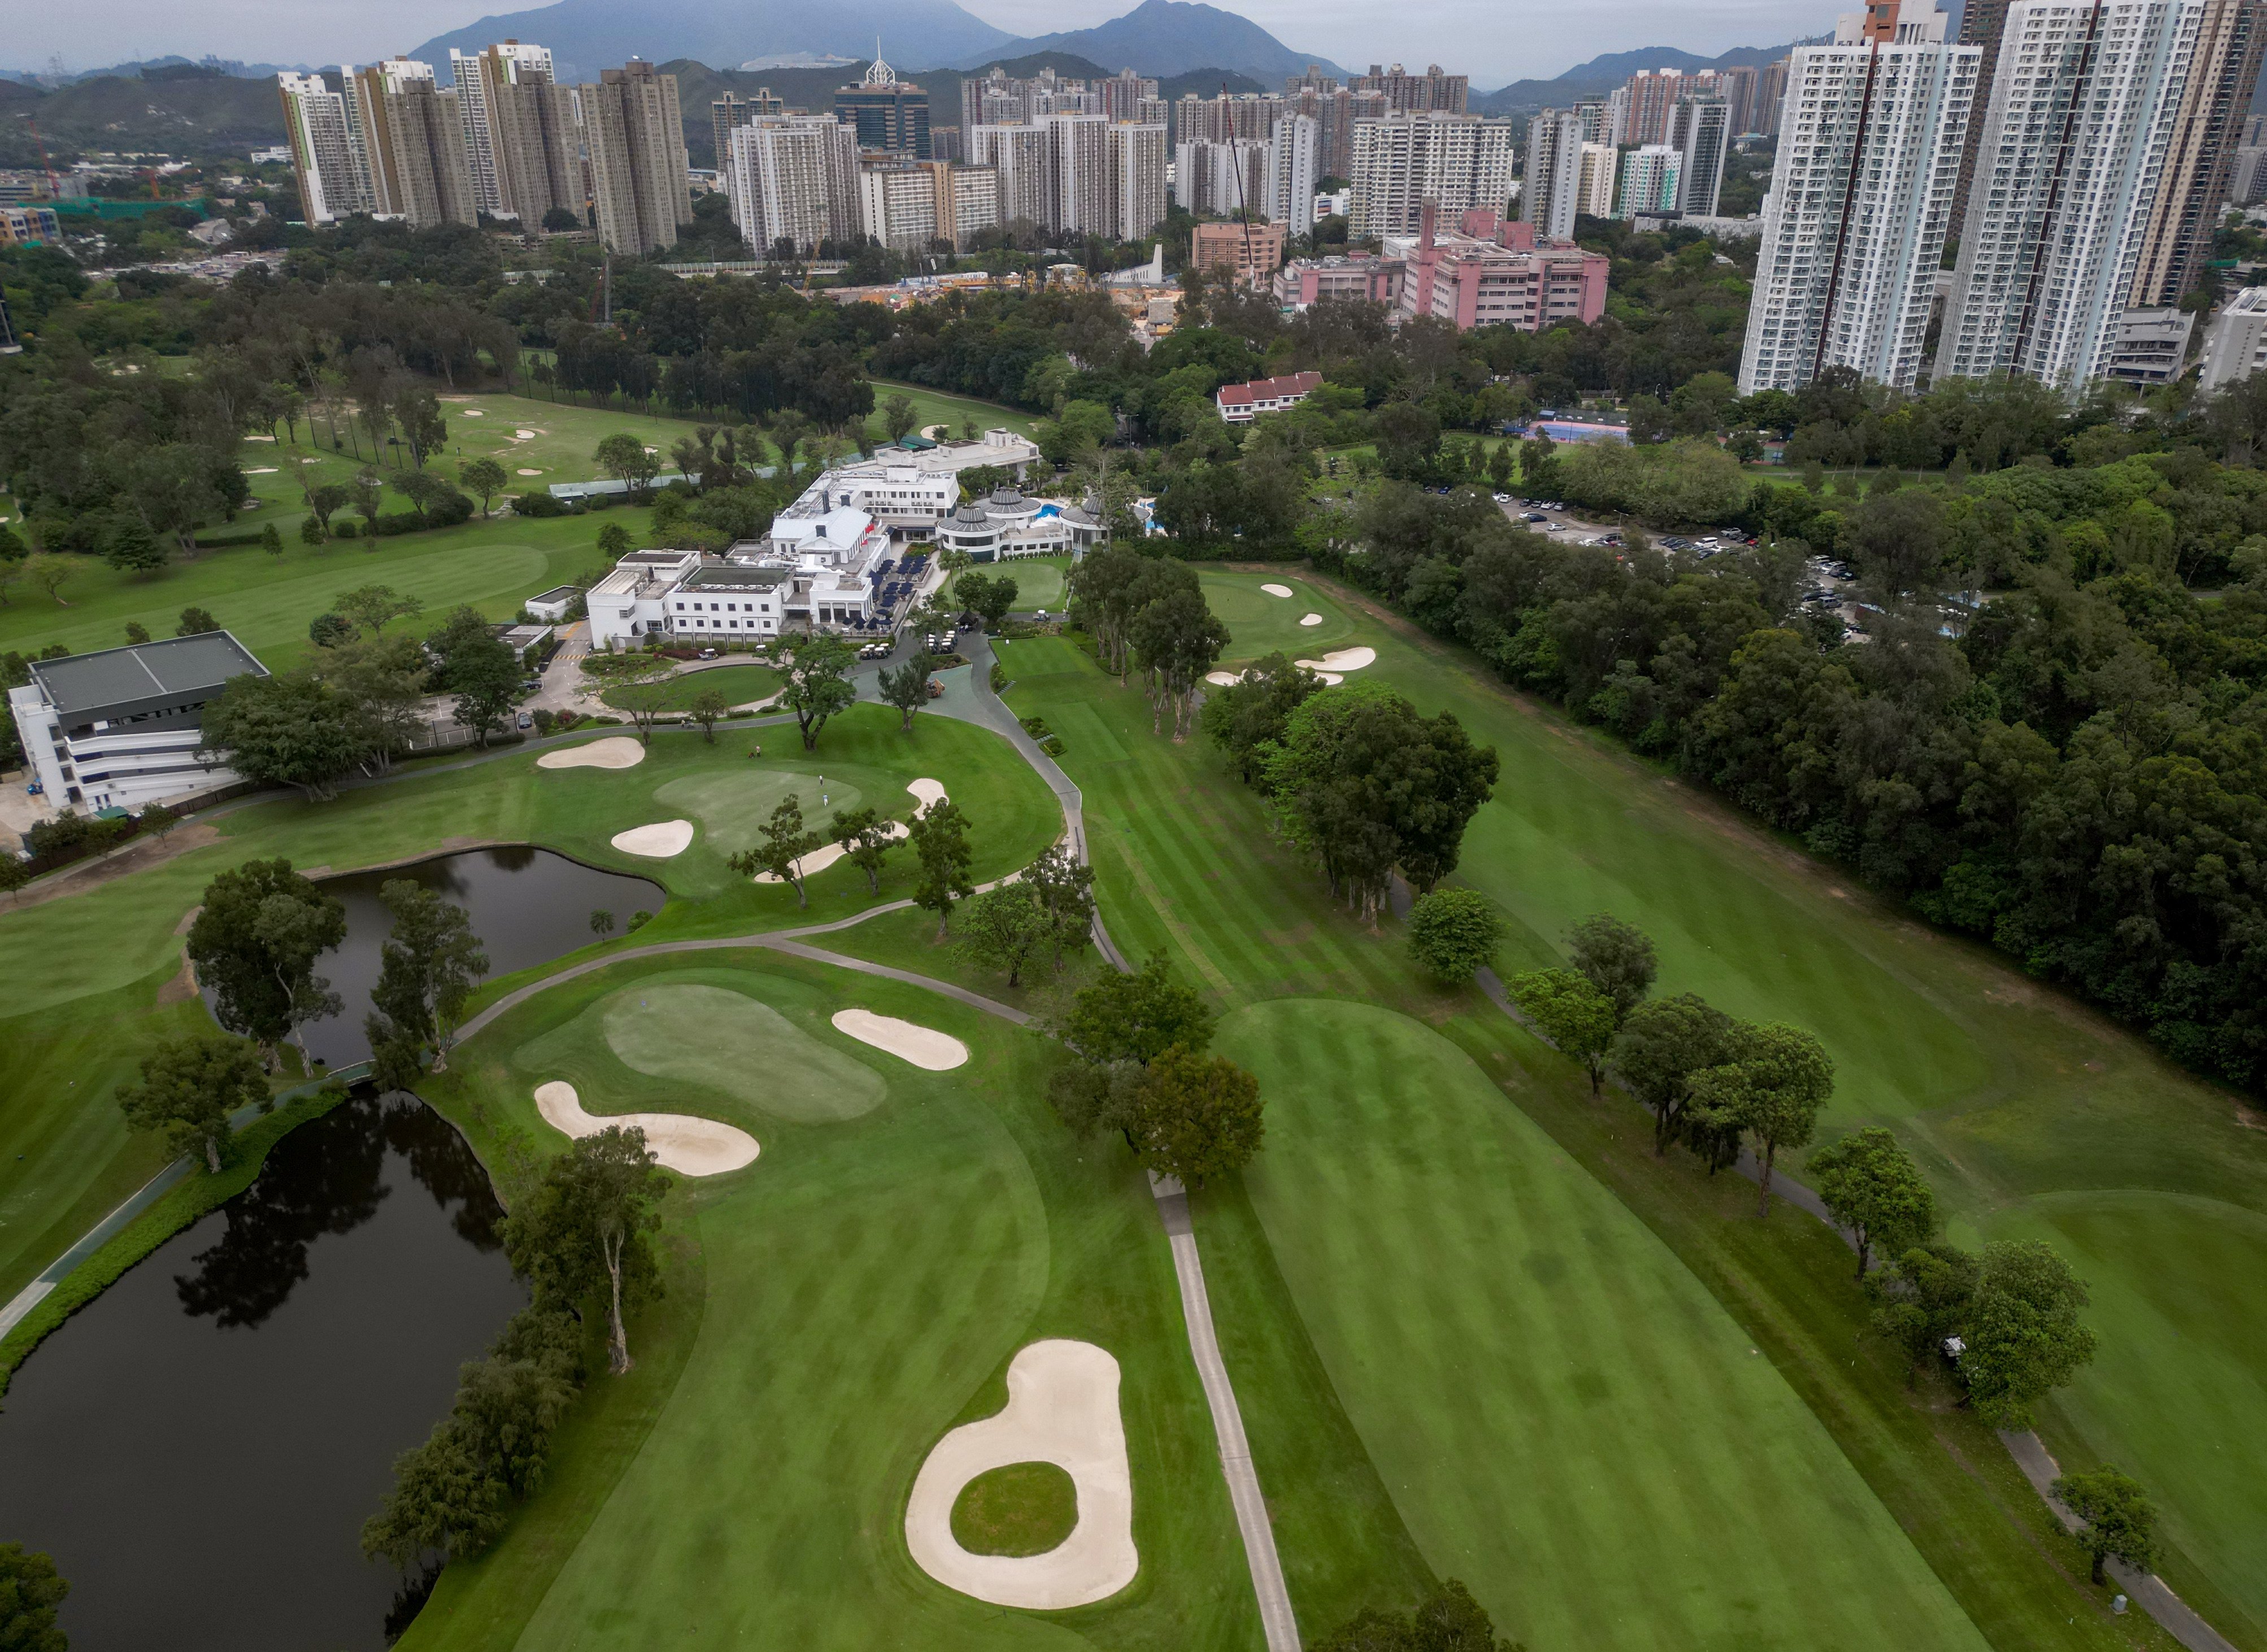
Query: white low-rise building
124	728
630	604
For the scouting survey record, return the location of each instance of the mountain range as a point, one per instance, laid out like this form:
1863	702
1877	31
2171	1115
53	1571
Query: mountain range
586	36
1174	37
1158	37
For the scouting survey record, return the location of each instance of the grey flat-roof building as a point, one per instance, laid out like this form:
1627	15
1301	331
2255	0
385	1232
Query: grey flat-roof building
120	728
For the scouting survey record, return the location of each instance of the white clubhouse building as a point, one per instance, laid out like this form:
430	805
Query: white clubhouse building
850	555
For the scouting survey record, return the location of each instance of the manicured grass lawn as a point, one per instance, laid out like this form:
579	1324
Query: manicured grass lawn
91	971
268	601
1261	624
1483	1303
739	684
1185	864
1040	581
937	407
2009	1093
864	1285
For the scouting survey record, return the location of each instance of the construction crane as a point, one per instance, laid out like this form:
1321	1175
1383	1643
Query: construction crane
55	185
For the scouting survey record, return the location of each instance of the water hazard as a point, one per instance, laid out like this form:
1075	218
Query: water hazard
527	906
199	1447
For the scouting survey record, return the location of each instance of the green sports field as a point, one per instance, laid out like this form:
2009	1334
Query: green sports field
1558	1405
862	1287
268	601
97	972
1187	864
937	407
1263	624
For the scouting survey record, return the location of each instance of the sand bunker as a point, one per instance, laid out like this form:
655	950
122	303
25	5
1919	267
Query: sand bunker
1342	659
690	1146
660	841
471	413
1276	590
525	435
1312	619
927	793
1062	1408
524	471
261	470
1223	679
818	859
923	1046
618	751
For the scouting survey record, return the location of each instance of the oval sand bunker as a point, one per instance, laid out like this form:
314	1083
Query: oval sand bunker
1343	660
1276	590
908	1041
1062	1408
661	841
617	752
689	1145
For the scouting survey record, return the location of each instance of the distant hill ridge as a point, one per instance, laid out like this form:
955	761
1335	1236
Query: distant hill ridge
1601	74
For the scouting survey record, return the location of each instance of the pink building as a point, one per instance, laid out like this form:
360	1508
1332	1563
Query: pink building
1490	271
1359	276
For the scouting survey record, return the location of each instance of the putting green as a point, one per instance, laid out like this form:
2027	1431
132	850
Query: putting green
855	1298
695	1033
734	805
1022	1509
1261	624
1555	1404
2172	1271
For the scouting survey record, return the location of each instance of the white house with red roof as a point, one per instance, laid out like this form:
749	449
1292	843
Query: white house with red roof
1241	404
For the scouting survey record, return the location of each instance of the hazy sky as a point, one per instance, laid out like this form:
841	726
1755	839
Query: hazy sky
1493	41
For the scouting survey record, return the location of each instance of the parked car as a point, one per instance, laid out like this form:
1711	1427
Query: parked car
1674	544
1535	515
526	720
1503	499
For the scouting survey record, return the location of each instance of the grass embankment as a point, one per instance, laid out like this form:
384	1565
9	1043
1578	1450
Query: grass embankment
176	1207
1185	864
739	684
865	1283
98	972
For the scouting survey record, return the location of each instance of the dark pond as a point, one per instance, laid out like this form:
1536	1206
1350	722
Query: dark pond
199	1447
527	905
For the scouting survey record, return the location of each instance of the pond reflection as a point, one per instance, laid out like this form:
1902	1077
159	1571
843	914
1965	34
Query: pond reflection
199	1447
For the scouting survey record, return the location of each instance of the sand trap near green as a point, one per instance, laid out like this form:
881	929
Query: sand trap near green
712	1036
923	1046
1342	659
1062	1408
617	751
664	840
679	1142
732	807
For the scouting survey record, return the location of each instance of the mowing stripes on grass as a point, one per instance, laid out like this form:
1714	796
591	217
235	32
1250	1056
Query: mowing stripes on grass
1565	1418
